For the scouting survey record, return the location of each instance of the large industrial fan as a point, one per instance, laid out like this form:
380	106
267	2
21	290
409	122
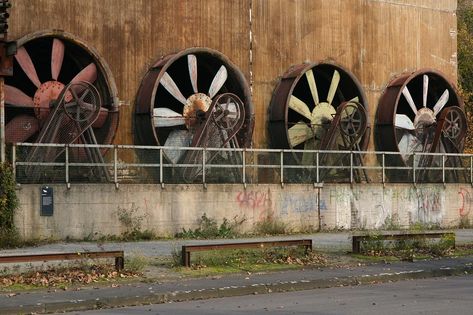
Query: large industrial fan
71	118
319	106
421	112
44	64
195	98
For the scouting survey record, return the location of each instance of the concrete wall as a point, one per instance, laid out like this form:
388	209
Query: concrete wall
374	39
93	210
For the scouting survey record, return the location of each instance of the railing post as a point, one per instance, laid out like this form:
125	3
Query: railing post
471	169
68	185
243	164
351	167
161	179
414	167
115	165
443	168
317	171
382	168
281	160
203	167
13	160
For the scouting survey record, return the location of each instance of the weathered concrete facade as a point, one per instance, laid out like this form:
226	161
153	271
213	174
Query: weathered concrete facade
374	39
93	210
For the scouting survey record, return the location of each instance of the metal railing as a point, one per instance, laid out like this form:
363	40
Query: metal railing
149	164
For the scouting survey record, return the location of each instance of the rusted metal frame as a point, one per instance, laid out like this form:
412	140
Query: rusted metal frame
118	255
357	239
187	249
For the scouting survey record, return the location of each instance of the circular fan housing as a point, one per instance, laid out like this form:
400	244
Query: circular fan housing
409	111
45	63
178	89
305	102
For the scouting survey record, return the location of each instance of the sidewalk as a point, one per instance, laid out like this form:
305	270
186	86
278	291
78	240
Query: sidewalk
177	289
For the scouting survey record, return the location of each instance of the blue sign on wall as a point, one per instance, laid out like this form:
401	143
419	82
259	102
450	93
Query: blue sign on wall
47	201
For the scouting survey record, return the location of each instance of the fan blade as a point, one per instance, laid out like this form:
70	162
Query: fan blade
172	88
101	119
404	122
441	102
409	99
308	157
21	128
218	81
313	87
16	97
57	56
425	90
165	117
300	107
333	86
347	111
192	62
177	138
88	74
299	133
24	60
355	99
408	145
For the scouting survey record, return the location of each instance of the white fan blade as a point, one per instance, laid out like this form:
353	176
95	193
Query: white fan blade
192	62
313	87
347	111
441	102
218	81
165	117
408	145
355	99
177	138
404	122
333	86
409	99
425	90
172	88
300	107
299	133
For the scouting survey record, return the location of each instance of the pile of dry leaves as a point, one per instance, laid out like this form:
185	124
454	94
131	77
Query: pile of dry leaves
67	276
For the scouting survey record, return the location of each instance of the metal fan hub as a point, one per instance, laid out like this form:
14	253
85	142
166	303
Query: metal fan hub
198	102
47	92
425	117
322	116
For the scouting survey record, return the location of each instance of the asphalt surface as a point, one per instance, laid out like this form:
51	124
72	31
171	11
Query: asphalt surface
426	296
173	289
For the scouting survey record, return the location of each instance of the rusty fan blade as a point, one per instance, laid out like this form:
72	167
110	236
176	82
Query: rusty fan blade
300	107
24	60
192	62
88	74
21	128
57	57
333	86
17	98
218	81
172	88
441	102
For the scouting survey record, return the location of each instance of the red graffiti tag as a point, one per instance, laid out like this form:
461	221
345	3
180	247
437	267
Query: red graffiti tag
465	202
253	199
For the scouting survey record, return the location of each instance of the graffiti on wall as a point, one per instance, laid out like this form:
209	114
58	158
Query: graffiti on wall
430	205
465	202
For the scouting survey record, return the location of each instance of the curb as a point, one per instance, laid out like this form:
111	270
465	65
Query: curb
261	288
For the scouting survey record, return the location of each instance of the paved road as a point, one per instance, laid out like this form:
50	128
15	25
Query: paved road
428	296
335	241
